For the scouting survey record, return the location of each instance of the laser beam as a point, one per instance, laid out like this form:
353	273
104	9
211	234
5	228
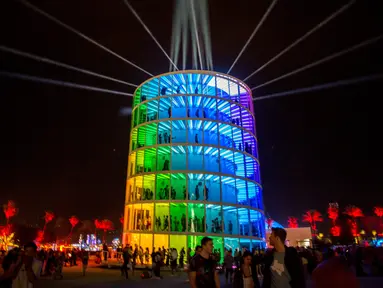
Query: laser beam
299	40
192	8
323	60
149	32
60	64
62	24
60	83
321	86
263	19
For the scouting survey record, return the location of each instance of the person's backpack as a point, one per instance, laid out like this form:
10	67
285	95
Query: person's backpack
238	278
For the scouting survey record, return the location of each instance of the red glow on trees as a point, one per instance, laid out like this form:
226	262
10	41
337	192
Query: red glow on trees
333	213
105	225
6	230
312	216
49	216
378	211
40	236
269	222
292	222
73	221
10	210
354	212
335	231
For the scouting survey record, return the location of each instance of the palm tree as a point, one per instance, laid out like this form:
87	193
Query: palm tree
379	212
312	216
354	212
105	225
73	220
49	216
10	210
292	222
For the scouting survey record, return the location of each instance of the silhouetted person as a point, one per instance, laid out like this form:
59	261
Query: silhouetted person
196	138
197	113
163	91
188	112
206	192
166	165
196	191
170	112
196	90
178	90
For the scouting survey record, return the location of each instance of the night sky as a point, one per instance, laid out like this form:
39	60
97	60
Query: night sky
66	150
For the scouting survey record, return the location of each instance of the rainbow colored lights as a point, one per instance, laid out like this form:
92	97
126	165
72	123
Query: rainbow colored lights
193	165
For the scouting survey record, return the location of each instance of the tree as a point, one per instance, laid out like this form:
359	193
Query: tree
39	236
49	216
335	231
105	225
333	213
73	220
354	212
292	222
312	216
379	212
10	210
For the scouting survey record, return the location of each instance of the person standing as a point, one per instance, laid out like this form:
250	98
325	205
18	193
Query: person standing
84	260
203	273
283	266
105	252
28	268
229	263
248	280
157	266
126	257
174	256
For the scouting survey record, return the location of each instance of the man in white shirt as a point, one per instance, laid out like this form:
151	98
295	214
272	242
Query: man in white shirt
28	268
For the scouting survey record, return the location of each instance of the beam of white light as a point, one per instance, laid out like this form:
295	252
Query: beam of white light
60	83
321	86
60	64
149	32
194	19
317	27
184	31
323	60
176	36
203	11
57	21
263	19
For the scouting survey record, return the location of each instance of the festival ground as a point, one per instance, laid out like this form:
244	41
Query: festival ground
102	278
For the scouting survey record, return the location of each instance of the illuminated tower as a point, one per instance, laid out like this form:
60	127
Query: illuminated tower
193	166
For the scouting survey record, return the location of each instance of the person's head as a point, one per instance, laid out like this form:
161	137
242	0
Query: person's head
198	249
30	249
247	258
207	244
277	236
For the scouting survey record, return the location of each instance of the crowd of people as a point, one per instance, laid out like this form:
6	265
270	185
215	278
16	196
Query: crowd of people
280	267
